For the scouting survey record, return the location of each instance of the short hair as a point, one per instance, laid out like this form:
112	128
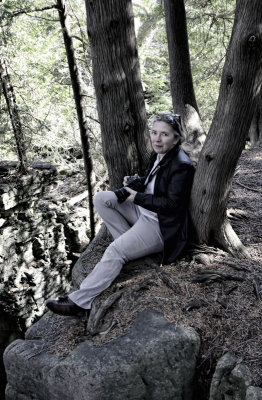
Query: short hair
174	120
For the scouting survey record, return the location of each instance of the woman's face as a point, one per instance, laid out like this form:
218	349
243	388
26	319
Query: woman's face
163	137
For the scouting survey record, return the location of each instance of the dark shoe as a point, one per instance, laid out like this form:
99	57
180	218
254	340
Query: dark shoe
64	306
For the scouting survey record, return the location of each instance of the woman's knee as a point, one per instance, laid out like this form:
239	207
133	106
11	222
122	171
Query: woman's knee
98	198
104	199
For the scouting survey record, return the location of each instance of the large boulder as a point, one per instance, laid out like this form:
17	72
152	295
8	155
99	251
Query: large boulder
154	359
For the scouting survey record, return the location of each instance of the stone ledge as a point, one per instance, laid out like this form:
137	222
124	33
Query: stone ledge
154	359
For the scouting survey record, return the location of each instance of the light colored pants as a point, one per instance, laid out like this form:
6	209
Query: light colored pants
135	235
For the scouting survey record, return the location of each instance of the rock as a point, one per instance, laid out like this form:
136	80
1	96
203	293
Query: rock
232	380
36	240
36	246
153	360
254	393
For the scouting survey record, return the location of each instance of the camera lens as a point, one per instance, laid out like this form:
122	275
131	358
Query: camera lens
121	194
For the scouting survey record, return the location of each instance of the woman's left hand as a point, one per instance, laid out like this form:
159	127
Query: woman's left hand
132	194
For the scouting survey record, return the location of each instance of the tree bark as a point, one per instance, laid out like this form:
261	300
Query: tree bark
80	107
240	86
119	93
255	130
13	110
181	81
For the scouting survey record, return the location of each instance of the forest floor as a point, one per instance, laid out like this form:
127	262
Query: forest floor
208	289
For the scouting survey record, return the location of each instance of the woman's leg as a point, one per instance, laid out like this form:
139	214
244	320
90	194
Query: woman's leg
118	217
142	239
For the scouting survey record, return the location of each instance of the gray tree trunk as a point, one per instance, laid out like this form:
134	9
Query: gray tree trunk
255	130
240	85
120	99
80	107
181	81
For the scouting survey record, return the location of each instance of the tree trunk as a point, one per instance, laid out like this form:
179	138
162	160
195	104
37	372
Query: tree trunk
119	93
255	130
13	110
80	107
240	85
181	82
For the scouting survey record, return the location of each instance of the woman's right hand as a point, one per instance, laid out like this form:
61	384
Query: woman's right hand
127	177
125	180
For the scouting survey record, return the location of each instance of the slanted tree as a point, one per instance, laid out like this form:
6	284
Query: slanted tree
77	86
13	110
240	86
6	81
149	24
117	81
181	81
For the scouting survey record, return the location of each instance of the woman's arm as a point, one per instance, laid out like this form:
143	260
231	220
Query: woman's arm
178	192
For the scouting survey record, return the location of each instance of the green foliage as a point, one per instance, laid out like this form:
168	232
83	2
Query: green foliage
153	56
40	76
209	30
32	43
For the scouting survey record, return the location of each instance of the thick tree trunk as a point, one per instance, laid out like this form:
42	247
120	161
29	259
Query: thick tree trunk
181	82
80	107
240	85
13	110
255	130
120	99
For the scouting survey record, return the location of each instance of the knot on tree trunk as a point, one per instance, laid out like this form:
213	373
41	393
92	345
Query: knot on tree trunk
252	41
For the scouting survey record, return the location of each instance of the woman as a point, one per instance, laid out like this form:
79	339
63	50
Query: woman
146	222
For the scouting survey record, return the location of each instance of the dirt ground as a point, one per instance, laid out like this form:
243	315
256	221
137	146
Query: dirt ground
208	289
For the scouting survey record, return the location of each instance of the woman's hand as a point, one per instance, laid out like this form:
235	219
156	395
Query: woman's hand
125	180
132	192
127	177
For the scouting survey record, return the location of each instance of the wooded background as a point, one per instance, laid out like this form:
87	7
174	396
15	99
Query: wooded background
72	76
33	48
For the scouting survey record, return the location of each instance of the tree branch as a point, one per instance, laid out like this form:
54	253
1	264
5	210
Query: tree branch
17	13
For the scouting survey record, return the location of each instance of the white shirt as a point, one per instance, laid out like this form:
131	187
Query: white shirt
150	190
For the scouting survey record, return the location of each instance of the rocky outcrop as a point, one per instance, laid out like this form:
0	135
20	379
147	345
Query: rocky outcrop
154	359
38	237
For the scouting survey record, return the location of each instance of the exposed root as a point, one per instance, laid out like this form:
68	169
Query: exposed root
249	188
236	215
215	276
257	287
170	283
98	311
230	242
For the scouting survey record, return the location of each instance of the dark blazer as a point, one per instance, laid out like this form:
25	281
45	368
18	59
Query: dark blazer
170	200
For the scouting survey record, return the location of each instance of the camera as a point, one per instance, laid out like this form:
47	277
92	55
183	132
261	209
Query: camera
134	183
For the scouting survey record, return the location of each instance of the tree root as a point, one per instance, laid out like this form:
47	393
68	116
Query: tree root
170	283
236	215
196	304
230	242
98	311
233	265
257	287
207	276
248	188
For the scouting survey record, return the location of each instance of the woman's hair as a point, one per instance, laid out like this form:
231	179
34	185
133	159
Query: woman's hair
174	120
